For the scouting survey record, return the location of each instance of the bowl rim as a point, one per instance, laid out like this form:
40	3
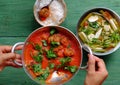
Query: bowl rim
86	13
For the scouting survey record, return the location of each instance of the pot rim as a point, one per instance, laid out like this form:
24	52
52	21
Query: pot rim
113	13
59	27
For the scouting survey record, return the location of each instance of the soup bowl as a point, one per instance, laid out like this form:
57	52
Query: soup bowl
99	28
51	55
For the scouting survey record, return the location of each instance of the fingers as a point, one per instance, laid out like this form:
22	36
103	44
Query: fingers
19	47
8	56
95	61
18	56
8	59
91	63
100	64
7	48
11	63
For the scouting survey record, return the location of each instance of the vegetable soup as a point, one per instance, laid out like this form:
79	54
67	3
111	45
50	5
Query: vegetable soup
100	31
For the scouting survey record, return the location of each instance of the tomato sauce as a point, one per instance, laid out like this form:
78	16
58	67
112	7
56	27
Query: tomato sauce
70	48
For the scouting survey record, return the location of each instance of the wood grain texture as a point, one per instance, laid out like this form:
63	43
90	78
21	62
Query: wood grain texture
17	22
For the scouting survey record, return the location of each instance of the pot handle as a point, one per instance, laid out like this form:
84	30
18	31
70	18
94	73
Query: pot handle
90	51
13	51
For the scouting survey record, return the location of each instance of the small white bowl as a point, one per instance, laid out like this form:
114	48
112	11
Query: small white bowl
114	14
57	10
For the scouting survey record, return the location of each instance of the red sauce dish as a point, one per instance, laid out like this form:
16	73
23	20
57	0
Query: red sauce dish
51	55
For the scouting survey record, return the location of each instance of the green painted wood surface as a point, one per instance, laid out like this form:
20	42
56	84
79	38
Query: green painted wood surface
17	22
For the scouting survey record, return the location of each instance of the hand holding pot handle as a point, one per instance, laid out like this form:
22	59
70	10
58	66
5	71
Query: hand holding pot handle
13	50
90	51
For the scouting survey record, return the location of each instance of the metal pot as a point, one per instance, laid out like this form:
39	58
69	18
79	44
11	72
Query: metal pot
65	31
97	11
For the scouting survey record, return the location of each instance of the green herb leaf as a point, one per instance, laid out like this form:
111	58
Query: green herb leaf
44	42
94	24
96	40
54	44
115	37
72	69
38	48
44	75
51	65
37	68
88	31
65	60
51	54
106	43
52	31
38	58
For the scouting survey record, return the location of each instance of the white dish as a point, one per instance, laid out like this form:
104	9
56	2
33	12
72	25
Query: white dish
57	10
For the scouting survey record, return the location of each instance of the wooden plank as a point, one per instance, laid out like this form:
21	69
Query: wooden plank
11	40
16	18
11	76
14	76
18	15
17	22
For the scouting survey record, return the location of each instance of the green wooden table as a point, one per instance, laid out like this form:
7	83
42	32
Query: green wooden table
17	22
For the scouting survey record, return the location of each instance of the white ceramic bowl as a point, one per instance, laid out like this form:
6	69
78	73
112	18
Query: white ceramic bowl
116	17
57	10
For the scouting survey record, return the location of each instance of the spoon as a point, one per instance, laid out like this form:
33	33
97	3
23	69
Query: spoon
58	77
47	6
44	12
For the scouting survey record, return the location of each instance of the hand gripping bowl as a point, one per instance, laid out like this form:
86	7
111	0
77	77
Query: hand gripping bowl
51	55
99	28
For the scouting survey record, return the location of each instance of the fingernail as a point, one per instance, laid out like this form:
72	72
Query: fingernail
91	56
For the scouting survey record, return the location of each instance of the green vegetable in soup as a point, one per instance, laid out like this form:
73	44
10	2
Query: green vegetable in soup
96	41
94	24
38	48
88	31
37	68
44	42
72	69
115	37
65	60
100	31
106	43
38	58
54	44
45	74
51	54
42	74
51	65
52	31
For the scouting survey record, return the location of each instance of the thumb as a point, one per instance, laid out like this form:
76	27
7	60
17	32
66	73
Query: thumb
8	56
91	63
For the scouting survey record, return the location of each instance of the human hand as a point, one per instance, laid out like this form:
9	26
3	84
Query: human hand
95	76
6	57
